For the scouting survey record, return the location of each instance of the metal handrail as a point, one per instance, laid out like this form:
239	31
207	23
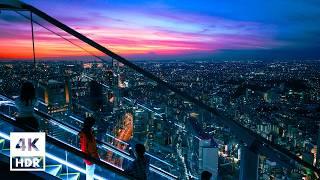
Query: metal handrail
100	142
70	149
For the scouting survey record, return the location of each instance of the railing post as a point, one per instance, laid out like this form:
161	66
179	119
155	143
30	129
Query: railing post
249	162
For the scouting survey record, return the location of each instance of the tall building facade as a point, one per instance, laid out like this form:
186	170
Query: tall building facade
55	95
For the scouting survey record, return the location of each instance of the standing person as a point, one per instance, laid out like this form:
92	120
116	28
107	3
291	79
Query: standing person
88	145
140	166
25	104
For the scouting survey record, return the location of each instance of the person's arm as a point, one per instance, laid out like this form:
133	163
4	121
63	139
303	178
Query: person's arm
83	143
130	169
95	149
131	152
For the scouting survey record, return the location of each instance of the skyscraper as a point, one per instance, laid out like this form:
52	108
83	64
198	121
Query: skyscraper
56	95
208	156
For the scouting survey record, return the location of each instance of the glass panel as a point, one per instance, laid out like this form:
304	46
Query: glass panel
68	90
59	162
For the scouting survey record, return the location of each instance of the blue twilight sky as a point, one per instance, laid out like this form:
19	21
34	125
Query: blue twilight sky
237	29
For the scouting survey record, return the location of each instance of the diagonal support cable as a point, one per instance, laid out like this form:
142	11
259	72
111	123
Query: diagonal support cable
57	34
32	33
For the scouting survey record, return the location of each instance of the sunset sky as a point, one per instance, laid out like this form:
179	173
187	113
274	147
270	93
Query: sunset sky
141	29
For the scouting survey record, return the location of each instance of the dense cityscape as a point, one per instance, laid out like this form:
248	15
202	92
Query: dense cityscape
277	100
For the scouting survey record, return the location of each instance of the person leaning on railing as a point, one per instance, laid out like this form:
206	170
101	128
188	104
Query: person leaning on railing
88	145
139	168
25	104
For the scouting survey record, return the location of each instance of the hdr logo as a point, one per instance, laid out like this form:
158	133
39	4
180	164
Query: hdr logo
27	151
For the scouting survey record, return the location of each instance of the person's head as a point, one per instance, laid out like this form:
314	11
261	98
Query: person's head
27	93
140	150
88	123
206	175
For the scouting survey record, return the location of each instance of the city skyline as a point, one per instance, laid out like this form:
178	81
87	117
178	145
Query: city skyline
278	101
168	30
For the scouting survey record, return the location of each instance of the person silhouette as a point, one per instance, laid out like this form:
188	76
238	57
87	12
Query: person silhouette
88	145
25	104
206	175
140	166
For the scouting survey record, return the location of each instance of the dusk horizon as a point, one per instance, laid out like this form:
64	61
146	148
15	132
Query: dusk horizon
166	30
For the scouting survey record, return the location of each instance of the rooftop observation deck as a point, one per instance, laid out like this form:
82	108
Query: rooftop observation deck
183	134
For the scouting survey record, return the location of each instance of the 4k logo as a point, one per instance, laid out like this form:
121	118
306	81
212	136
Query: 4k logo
21	144
27	151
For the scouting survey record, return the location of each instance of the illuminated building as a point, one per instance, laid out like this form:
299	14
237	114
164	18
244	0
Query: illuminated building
96	98
56	95
208	156
139	124
204	147
109	80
